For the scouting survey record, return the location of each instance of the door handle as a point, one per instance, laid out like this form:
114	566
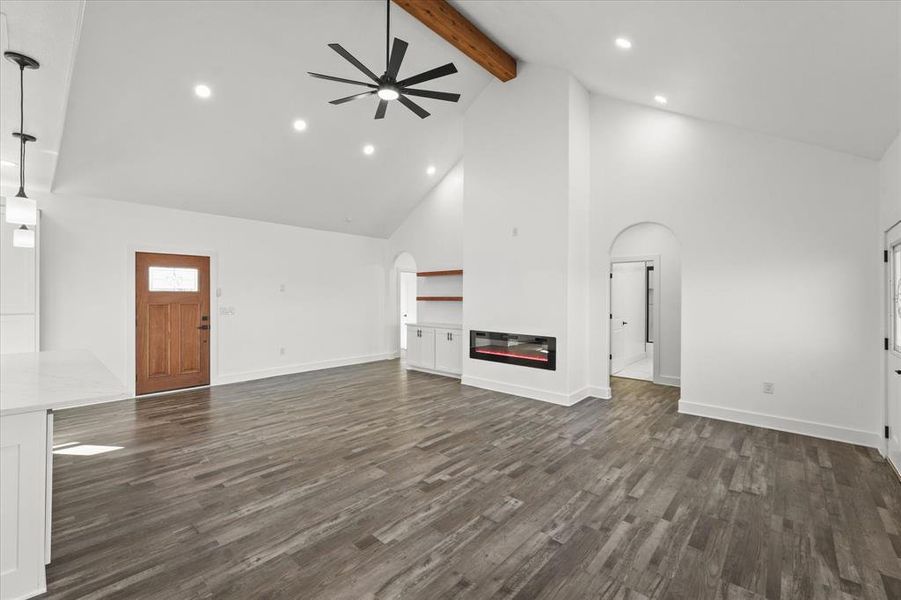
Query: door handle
898	371
204	327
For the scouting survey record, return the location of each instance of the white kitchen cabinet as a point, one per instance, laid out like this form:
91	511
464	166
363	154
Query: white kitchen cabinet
32	386
435	348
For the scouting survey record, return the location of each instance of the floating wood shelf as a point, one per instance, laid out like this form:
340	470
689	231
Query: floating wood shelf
440	273
439	298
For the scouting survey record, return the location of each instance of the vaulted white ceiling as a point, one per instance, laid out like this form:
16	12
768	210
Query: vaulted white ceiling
821	72
47	31
825	73
135	130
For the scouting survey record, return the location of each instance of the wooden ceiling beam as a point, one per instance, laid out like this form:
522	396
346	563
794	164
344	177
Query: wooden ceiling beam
446	21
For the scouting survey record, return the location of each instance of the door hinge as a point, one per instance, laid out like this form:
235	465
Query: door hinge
611	357
611	315
885	256
611	275
886	343
886	432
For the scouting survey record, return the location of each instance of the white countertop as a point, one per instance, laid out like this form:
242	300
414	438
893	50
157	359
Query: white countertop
38	381
437	325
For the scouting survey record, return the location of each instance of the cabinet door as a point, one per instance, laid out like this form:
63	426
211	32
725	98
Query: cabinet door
448	349
427	349
414	346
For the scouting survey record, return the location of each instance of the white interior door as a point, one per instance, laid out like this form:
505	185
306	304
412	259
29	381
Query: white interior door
407	297
627	305
893	371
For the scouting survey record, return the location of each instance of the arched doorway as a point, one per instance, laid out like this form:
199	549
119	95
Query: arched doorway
646	304
405	307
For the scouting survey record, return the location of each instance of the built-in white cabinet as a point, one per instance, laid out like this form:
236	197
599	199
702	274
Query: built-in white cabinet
435	348
448	349
420	347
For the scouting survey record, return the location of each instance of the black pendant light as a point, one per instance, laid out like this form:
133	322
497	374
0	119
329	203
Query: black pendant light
21	209
387	87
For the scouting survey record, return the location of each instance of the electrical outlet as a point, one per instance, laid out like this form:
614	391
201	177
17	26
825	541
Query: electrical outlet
281	288
281	351
769	387
515	231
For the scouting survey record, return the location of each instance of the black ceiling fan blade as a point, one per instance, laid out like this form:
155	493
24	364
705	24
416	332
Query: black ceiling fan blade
380	111
435	73
446	96
350	58
420	111
340	79
354	97
397	56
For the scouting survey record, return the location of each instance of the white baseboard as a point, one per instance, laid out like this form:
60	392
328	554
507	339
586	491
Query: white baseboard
605	393
668	380
893	454
535	393
300	368
811	428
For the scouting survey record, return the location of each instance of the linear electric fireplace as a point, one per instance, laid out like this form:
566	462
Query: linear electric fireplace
536	351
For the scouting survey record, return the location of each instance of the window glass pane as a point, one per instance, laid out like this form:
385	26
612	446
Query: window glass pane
896	298
173	279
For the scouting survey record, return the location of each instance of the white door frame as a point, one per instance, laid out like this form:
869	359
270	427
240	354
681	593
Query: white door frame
889	295
130	314
654	259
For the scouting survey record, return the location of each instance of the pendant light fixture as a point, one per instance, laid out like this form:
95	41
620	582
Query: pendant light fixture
23	237
20	209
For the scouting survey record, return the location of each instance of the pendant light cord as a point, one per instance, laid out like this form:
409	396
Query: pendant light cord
22	130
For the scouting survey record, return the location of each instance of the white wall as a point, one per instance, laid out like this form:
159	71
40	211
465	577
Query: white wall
890	186
330	313
433	235
578	270
779	282
652	238
19	310
518	248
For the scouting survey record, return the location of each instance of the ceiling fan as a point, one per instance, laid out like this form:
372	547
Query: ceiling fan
387	87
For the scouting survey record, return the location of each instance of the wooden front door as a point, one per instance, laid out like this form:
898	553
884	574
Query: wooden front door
172	320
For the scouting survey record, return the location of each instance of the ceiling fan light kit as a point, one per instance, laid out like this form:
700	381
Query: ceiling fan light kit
387	87
20	209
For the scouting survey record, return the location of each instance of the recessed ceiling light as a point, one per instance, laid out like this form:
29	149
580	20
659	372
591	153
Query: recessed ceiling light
368	149
7	163
430	170
623	43
659	99
300	125
202	91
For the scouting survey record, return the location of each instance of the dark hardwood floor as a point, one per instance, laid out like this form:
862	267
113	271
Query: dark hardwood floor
371	482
